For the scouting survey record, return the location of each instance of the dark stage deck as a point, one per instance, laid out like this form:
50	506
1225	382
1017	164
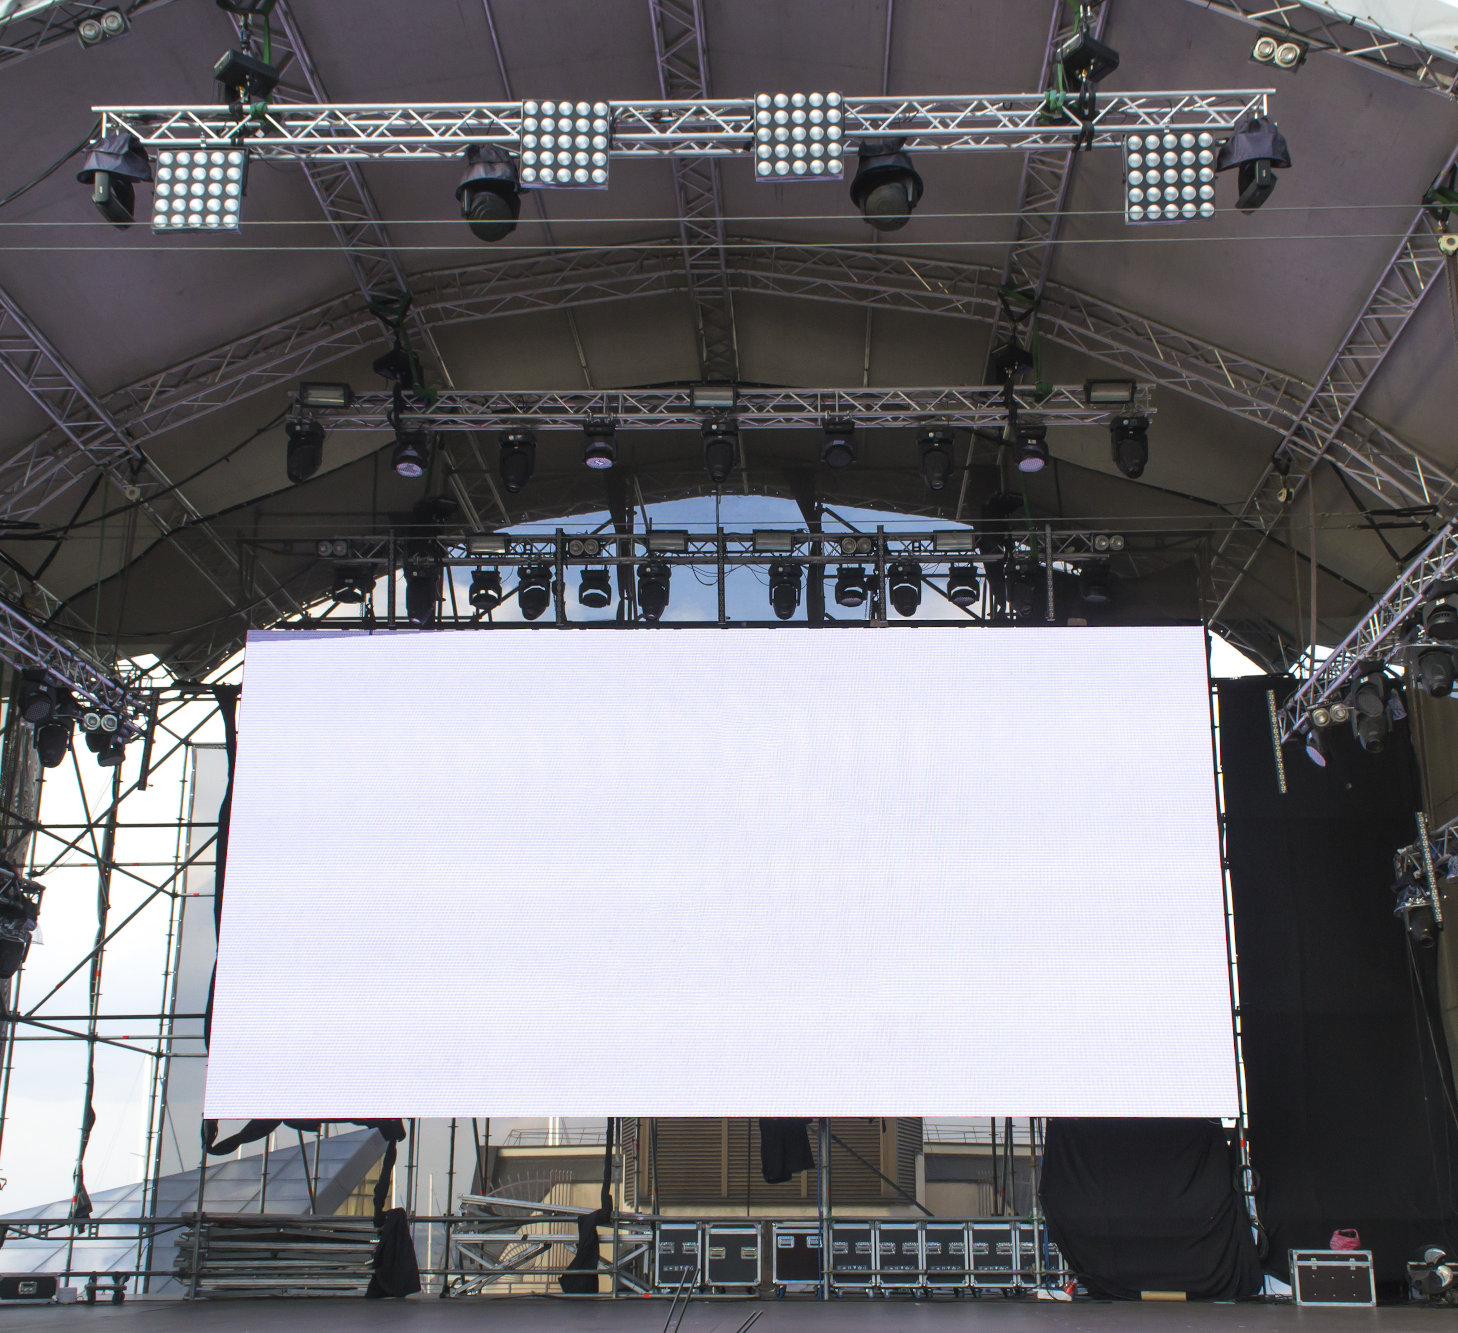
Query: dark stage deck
642	1316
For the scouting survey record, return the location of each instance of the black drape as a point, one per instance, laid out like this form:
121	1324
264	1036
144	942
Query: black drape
1349	1098
1149	1205
784	1148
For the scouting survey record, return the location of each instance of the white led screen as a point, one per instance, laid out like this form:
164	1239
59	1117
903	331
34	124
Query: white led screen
724	872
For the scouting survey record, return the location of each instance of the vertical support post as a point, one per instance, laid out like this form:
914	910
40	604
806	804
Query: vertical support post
559	582
720	580
304	1164
450	1209
1052	612
263	1176
822	1203
197	1222
878	611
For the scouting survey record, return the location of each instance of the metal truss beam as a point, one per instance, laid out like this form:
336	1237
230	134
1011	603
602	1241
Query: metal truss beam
712	128
1325	28
1043	193
1378	636
91	441
674	409
27	647
681	50
28	26
1416	267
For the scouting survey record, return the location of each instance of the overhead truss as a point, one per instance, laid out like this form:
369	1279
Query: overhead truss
28	26
676	409
28	647
664	129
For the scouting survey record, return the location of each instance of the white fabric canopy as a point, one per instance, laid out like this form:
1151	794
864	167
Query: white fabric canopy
1430	23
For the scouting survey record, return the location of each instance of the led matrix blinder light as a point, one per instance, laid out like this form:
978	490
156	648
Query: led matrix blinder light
798	134
1169	177
199	189
565	143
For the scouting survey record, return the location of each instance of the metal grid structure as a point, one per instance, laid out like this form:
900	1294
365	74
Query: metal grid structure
676	409
28	647
29	26
1016	122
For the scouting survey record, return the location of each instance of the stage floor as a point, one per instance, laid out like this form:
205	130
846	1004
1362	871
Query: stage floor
641	1316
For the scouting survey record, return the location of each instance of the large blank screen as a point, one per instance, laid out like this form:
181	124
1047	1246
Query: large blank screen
846	872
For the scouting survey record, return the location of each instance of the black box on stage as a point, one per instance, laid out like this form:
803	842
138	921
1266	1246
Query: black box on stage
944	1251
853	1254
994	1254
796	1254
28	1287
676	1253
731	1255
1333	1277
900	1247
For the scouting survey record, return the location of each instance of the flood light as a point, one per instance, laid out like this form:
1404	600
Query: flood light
599	444
1129	439
936	456
653	580
485	591
565	143
798	136
860	544
784	588
412	452
518	459
721	448
199	189
97	28
305	449
1279	50
315	394
839	448
904	579
534	590
1109	393
1169	177
596	588
488	193
851	585
886	187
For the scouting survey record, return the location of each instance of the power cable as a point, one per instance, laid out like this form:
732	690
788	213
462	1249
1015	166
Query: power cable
53	168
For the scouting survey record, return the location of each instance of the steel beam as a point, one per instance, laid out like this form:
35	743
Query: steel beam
681	49
1326	28
755	409
1312	435
721	127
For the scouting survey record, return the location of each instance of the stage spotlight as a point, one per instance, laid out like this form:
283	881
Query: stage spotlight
112	168
488	193
851	586
353	583
1025	590
963	588
485	593
784	588
1369	711
1032	447
1440	619
1086	60
1315	747
904	578
36	698
886	187
412	452
53	741
839	448
1257	148
107	748
596	588
1279	50
423	578
1415	908
1095	584
1129	436
1435	670
98	28
653	590
599	445
721	448
534	590
518	459
936	456
305	450
1431	1277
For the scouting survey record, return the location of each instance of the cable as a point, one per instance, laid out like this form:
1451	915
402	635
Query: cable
53	168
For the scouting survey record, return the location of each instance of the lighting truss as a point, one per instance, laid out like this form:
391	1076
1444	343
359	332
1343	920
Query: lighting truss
674	409
28	26
667	129
1378	636
27	647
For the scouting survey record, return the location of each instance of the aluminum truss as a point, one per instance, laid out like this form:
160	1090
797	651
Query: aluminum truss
1311	437
683	73
1379	636
705	128
27	647
28	26
1326	28
675	409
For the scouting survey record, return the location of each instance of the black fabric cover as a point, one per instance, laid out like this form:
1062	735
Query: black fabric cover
1348	1084
396	1270
392	1131
581	1276
784	1148
1149	1205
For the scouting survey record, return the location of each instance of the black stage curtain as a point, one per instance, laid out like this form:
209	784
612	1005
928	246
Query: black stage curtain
784	1148
1149	1205
1349	1092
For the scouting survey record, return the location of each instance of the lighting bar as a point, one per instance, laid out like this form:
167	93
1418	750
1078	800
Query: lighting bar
680	409
1017	122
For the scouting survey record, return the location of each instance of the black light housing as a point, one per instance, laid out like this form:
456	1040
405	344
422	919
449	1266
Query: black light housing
963	588
1129	441
1025	589
904	580
354	583
721	448
599	444
851	585
1436	671
423	578
936	456
784	588
53	741
839	448
518	459
596	589
653	578
1315	747
111	168
1032	447
1095	584
534	590
1257	147
412	452
241	77
1369	710
36	698
107	747
485	593
489	192
305	450
1440	618
886	187
1086	60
